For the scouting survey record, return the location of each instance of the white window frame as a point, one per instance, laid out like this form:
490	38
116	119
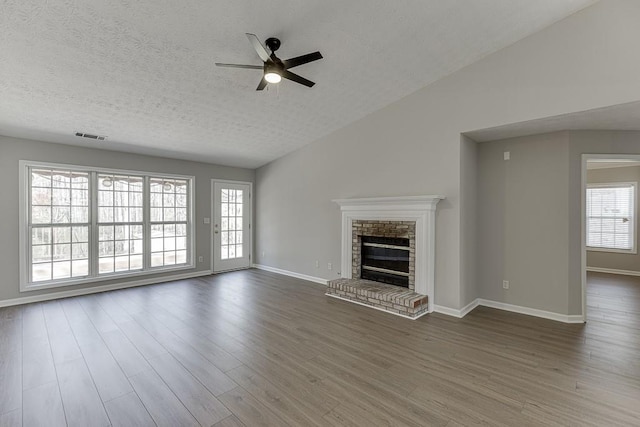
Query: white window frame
24	239
634	231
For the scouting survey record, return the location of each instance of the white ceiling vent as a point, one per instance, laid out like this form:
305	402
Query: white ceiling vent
91	136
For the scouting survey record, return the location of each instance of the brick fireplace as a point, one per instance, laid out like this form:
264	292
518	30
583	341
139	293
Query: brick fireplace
388	256
392	236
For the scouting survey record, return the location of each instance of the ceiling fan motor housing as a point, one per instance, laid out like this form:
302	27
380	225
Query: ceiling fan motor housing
272	43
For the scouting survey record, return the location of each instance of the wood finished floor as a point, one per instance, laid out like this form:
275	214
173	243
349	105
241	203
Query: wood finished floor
255	348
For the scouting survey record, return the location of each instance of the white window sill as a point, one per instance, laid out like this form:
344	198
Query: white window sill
615	251
114	276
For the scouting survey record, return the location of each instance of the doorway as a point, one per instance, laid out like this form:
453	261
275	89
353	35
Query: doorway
231	230
610	210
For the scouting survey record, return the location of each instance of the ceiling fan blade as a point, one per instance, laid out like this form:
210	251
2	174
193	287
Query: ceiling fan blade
296	78
299	60
262	84
252	67
262	52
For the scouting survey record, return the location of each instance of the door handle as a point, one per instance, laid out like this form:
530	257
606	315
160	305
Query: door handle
216	232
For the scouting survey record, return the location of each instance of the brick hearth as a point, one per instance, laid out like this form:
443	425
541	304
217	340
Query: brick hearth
394	299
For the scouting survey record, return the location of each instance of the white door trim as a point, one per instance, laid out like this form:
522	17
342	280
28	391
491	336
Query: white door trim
212	206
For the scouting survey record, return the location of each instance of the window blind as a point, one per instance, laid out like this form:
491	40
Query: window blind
610	216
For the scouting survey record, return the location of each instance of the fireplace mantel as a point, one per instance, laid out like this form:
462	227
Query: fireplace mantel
420	209
411	203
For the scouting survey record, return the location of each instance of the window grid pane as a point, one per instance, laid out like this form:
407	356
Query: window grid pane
169	220
231	223
120	219
610	216
59	224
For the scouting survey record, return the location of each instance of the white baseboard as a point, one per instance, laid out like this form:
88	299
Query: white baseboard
96	289
469	307
566	318
613	271
376	308
291	274
454	311
446	310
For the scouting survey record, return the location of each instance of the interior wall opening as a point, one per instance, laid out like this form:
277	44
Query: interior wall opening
610	258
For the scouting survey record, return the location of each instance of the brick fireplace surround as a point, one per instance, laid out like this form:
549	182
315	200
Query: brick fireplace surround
402	229
404	217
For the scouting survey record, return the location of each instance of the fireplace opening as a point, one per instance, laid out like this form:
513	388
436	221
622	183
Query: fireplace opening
385	259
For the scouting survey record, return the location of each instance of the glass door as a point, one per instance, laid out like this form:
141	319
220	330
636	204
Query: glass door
231	225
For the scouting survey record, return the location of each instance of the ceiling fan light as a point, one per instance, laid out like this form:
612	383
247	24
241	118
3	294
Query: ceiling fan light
272	77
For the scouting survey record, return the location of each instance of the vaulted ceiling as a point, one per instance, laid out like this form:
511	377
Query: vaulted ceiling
142	71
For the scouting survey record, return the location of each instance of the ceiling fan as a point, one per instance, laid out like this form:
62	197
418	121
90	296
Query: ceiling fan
275	69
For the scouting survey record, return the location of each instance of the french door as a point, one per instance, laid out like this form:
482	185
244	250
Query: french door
231	225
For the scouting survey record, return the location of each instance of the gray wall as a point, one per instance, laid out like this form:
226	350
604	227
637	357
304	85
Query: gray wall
616	261
468	219
529	216
523	221
414	146
12	150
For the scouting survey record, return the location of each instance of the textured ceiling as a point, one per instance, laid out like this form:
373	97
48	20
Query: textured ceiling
141	71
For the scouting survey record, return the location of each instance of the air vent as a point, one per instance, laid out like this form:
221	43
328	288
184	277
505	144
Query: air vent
91	136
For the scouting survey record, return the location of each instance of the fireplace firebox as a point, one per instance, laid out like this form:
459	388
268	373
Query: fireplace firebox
386	260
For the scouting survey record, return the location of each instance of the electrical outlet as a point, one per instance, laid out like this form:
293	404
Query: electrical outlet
329	266
505	284
507	155
207	221
200	259
262	254
317	264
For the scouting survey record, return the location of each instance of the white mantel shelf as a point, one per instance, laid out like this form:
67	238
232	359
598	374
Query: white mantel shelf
390	203
421	209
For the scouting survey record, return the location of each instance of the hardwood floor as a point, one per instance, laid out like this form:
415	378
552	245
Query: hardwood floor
253	348
614	299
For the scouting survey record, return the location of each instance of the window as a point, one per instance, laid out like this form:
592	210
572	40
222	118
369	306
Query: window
59	218
83	224
231	224
168	221
120	223
611	217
